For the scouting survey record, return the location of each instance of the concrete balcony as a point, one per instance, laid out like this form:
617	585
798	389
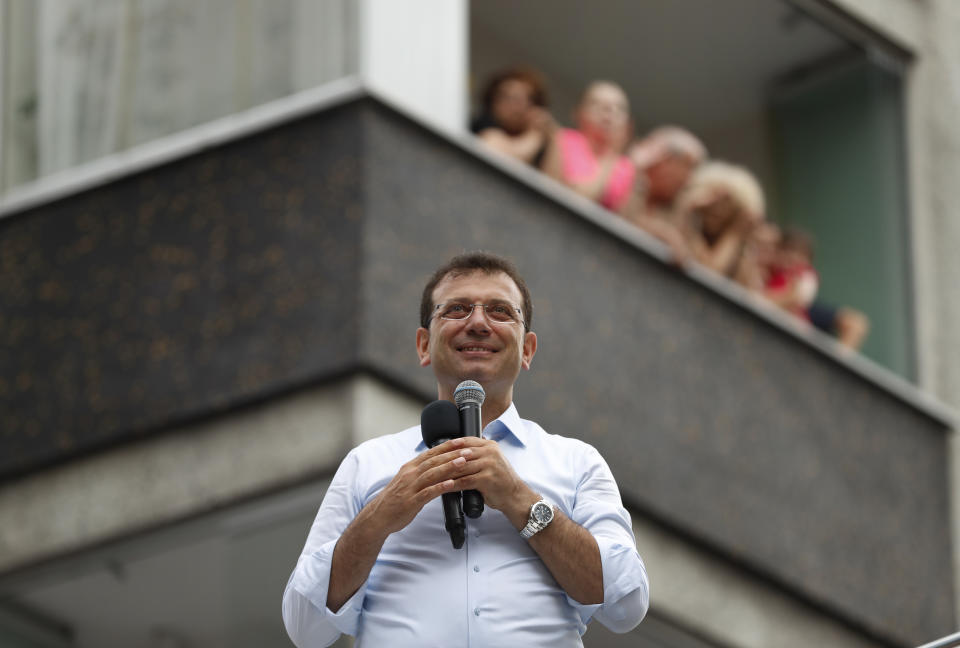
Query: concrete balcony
286	249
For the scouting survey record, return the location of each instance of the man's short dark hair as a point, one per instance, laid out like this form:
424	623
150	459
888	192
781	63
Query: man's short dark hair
475	262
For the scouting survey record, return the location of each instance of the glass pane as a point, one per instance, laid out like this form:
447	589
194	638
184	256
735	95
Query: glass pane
841	171
85	78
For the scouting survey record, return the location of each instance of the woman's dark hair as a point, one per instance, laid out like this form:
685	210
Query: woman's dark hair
527	75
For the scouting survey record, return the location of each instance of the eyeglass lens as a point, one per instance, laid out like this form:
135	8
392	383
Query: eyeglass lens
501	313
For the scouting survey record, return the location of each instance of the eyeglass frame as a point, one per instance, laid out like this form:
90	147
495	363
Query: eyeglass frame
473	307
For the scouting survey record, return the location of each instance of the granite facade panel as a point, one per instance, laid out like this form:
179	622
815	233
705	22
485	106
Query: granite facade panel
180	291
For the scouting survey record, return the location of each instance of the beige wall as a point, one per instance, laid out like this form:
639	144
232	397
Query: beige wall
935	106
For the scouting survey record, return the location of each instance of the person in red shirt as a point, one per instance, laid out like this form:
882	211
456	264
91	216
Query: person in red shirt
780	267
793	282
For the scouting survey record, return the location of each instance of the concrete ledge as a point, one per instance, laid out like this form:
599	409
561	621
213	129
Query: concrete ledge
690	588
192	470
711	597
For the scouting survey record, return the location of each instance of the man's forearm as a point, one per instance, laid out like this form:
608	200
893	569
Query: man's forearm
418	481
353	558
568	550
571	554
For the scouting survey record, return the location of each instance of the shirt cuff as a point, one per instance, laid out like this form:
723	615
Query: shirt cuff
313	582
626	591
623	569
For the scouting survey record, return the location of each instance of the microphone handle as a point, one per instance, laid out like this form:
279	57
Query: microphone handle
470	426
453	520
453	516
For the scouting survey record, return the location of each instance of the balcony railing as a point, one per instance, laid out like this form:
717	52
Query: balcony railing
950	641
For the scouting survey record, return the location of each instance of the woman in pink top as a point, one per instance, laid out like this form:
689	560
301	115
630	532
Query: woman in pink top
589	160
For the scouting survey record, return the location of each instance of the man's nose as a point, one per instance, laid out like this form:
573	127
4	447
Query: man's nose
477	321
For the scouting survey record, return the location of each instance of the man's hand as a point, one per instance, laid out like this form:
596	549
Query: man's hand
418	481
488	471
568	550
426	476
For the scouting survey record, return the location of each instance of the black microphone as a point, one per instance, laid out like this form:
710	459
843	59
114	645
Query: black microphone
469	396
440	422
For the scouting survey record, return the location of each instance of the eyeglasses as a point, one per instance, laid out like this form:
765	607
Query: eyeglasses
497	313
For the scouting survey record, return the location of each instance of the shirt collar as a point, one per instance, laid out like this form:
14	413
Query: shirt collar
507	425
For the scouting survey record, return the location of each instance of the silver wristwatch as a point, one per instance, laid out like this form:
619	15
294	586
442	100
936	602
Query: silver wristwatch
541	514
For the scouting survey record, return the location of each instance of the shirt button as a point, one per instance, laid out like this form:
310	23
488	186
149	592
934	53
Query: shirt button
476	568
476	611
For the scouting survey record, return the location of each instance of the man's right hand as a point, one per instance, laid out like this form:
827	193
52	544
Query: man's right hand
426	476
418	481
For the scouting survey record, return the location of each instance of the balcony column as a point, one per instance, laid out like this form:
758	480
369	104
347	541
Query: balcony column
416	56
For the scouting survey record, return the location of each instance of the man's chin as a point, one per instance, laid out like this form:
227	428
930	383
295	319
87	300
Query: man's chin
477	360
482	372
474	372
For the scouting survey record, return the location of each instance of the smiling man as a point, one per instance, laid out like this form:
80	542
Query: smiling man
554	548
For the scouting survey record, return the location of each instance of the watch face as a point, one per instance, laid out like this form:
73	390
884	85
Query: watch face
542	513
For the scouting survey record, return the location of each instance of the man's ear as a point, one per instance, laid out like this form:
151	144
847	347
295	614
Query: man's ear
423	346
529	349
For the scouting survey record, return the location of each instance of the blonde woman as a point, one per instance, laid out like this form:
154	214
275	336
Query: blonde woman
717	211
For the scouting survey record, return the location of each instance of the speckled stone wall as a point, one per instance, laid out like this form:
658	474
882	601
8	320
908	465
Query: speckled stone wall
298	254
180	291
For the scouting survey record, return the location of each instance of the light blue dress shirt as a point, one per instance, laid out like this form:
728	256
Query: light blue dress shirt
495	591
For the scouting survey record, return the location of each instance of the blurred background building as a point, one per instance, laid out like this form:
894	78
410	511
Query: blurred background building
216	219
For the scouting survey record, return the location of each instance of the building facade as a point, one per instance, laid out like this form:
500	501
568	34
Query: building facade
211	247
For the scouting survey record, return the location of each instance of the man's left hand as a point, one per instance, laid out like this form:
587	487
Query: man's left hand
489	472
568	550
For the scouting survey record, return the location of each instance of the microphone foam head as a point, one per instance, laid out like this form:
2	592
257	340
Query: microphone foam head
469	391
439	420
